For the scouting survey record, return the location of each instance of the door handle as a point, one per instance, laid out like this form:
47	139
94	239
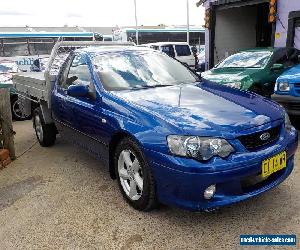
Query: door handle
103	120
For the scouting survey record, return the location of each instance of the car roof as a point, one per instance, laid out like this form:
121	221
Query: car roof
112	49
165	43
269	49
258	49
7	61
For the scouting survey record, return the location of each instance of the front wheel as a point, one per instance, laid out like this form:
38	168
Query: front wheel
257	89
45	133
295	120
134	176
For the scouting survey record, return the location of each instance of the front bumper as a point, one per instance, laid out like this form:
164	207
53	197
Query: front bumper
290	103
185	189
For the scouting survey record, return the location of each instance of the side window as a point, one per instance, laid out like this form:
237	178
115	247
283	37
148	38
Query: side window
62	77
154	47
183	50
78	73
169	50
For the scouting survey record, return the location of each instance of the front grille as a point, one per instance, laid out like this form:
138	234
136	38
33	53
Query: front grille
253	141
297	87
294	106
252	183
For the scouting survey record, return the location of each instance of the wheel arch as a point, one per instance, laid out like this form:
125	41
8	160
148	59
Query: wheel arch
13	96
46	112
257	87
115	140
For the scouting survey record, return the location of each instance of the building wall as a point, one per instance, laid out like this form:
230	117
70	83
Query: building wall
284	8
229	41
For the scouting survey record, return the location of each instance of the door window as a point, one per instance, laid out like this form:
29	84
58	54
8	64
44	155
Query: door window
183	50
62	77
79	72
169	50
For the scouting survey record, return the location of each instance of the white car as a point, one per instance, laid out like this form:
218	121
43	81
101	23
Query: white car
7	69
178	50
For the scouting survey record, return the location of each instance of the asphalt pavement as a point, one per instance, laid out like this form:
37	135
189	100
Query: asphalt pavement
61	198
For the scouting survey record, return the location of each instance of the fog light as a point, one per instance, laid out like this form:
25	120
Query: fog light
210	192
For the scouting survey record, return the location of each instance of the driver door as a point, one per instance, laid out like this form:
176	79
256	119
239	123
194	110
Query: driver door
61	111
86	111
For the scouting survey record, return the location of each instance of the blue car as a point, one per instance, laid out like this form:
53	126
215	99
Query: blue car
166	135
287	91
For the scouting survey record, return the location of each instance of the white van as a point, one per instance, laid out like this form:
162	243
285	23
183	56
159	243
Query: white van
179	50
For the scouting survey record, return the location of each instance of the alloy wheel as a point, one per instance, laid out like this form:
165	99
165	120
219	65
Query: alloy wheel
16	109
38	127
130	174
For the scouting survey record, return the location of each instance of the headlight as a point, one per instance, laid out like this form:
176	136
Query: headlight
287	123
283	86
236	85
200	148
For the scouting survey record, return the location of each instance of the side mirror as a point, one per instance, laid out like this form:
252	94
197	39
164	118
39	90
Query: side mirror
78	90
277	66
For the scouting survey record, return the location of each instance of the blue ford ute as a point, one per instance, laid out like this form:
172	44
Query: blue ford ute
287	91
166	135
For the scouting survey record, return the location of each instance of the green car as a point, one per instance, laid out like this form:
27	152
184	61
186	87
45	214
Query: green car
255	70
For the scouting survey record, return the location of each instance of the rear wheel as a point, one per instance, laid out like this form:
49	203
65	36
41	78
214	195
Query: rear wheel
45	133
16	110
134	176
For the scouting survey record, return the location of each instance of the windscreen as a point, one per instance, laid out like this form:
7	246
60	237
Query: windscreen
8	67
134	70
247	59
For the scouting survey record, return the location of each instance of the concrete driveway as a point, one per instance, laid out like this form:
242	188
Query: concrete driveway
61	198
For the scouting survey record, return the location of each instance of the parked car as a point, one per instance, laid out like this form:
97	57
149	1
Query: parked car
7	69
39	64
178	50
287	91
163	133
255	70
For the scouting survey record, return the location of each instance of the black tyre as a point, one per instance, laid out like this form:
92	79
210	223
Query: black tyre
134	176
16	111
295	120
256	89
45	133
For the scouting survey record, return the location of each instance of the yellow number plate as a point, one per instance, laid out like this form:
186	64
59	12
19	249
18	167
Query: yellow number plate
273	164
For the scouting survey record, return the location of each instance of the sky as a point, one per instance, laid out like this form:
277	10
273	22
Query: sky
98	12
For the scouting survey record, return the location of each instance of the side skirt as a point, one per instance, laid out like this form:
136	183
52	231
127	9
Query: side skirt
95	148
